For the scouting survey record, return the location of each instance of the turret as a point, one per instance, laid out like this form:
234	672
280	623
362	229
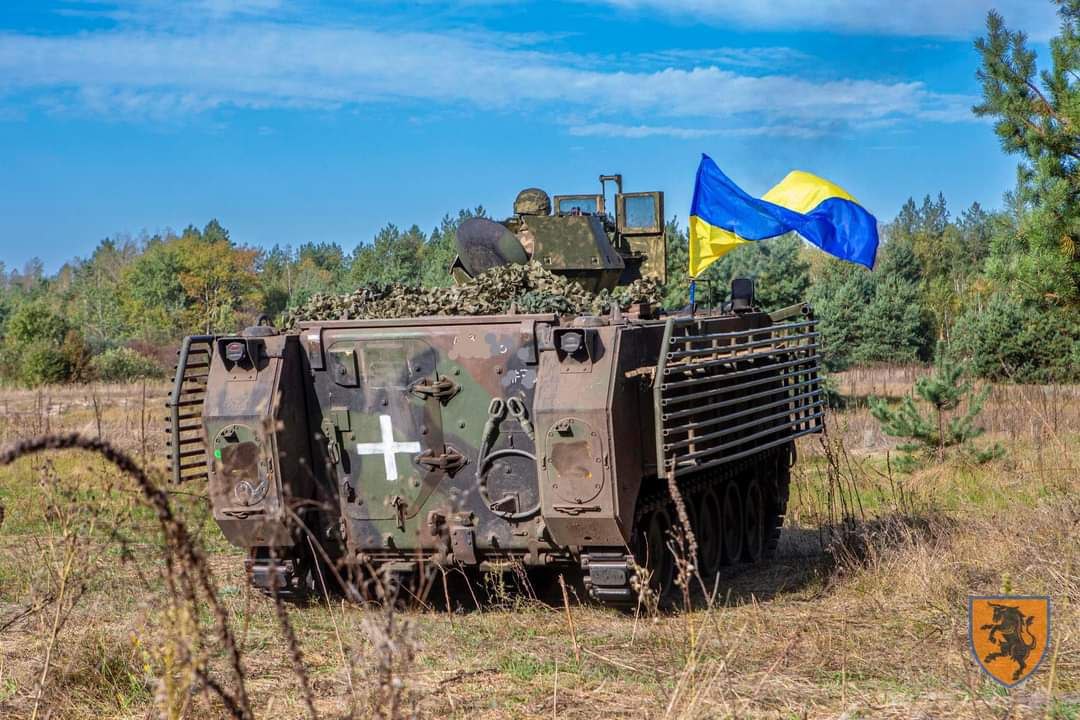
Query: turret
573	236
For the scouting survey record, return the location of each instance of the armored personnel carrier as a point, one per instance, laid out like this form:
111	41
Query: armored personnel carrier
554	441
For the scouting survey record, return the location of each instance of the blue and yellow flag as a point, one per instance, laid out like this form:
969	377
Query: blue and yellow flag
722	217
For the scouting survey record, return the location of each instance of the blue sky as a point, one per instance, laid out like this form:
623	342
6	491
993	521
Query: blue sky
296	120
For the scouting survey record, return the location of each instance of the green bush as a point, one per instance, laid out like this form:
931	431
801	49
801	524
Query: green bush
1009	339
868	317
36	320
42	363
122	365
39	347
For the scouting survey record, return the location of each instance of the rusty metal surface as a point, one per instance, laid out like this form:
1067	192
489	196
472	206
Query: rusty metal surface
256	426
187	441
730	387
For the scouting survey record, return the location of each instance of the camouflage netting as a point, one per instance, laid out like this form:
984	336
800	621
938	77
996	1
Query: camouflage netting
531	287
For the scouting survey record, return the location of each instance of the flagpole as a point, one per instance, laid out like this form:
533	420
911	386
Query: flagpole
693	294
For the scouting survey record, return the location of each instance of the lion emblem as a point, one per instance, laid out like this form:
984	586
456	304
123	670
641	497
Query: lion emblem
1008	631
1009	635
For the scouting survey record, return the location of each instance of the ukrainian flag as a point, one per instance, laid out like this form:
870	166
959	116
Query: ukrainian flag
722	217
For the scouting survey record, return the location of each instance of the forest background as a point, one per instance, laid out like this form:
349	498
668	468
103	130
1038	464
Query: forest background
998	289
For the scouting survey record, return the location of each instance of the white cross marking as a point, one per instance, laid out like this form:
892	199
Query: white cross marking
387	448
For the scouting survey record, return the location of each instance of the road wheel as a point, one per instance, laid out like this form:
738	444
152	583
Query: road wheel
709	534
732	523
754	523
776	498
653	553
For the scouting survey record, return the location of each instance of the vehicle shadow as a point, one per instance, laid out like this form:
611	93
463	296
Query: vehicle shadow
801	560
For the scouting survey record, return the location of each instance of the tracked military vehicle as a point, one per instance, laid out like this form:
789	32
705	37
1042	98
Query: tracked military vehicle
549	440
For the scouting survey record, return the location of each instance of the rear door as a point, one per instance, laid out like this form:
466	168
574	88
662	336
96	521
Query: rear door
387	416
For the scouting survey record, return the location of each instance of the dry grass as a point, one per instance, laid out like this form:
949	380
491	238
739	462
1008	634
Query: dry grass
870	624
1014	414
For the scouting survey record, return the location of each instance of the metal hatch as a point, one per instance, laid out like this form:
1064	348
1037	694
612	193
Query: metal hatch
392	447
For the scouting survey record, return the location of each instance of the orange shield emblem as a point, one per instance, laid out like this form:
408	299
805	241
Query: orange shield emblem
1009	635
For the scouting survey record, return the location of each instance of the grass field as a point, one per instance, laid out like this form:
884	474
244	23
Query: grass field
864	614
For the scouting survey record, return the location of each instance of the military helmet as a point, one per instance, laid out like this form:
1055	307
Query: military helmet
532	201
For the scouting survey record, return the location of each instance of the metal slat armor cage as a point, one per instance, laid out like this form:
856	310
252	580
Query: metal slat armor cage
721	396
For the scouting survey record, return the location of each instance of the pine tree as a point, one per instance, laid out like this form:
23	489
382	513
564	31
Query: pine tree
840	296
938	428
1037	116
894	326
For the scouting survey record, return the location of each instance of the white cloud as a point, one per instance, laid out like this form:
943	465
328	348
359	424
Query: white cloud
931	18
751	58
638	131
177	13
248	63
603	129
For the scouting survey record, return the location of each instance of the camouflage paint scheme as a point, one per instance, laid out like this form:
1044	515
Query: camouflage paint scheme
398	414
553	473
472	440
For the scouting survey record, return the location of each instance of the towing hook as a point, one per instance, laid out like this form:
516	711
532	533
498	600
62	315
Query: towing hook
441	389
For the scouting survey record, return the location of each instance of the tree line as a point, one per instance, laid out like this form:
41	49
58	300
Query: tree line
997	289
963	280
120	312
963	283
